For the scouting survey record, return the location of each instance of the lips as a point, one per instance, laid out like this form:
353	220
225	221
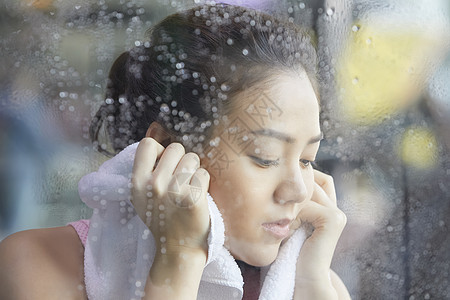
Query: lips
280	229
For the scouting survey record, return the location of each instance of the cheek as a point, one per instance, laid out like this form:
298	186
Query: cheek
240	194
228	193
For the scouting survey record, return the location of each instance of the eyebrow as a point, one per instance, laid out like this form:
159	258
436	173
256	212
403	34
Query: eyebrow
284	137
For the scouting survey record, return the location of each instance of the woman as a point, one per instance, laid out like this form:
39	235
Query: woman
224	102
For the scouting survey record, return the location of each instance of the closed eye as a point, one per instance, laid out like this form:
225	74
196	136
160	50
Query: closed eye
265	162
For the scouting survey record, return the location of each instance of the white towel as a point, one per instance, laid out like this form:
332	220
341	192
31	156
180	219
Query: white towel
120	247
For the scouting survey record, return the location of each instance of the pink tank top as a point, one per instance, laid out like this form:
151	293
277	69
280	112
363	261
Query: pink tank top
82	229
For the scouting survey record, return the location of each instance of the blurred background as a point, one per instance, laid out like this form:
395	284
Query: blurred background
385	67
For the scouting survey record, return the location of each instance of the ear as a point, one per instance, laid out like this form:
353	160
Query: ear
157	132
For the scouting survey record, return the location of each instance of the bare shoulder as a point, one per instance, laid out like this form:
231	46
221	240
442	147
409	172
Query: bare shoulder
42	263
339	286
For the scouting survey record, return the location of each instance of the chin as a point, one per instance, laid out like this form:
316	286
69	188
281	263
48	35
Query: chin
259	262
257	257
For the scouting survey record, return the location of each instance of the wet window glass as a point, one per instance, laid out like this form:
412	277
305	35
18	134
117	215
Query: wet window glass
384	85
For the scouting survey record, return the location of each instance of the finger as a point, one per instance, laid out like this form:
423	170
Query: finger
296	223
328	224
194	188
168	162
148	151
200	182
179	189
189	163
321	216
321	197
326	182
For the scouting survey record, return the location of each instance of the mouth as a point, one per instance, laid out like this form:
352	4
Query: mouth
280	229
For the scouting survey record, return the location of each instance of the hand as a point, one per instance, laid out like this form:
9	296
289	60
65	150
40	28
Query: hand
170	197
313	265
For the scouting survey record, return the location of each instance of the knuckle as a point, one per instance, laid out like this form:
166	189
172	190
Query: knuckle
148	142
204	172
136	184
193	156
158	188
176	183
340	217
171	186
336	217
176	147
329	178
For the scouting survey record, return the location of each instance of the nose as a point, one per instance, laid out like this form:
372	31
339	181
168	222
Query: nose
292	188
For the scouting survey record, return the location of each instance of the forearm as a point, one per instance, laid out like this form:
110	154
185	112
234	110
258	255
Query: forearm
315	291
175	276
327	287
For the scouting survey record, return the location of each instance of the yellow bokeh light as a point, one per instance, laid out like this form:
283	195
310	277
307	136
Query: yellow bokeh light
418	148
381	71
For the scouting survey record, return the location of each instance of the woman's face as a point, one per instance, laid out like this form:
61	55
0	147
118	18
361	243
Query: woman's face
259	165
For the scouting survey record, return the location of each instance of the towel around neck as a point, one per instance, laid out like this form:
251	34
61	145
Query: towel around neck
120	247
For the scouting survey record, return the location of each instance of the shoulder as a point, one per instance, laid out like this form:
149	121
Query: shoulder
45	263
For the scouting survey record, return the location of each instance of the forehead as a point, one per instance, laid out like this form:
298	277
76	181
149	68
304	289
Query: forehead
285	102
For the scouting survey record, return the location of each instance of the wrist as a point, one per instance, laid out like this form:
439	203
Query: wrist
175	275
174	265
314	288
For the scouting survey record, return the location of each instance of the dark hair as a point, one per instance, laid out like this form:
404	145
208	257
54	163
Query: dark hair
194	62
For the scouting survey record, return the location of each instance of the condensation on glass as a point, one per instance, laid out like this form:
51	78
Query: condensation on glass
385	95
